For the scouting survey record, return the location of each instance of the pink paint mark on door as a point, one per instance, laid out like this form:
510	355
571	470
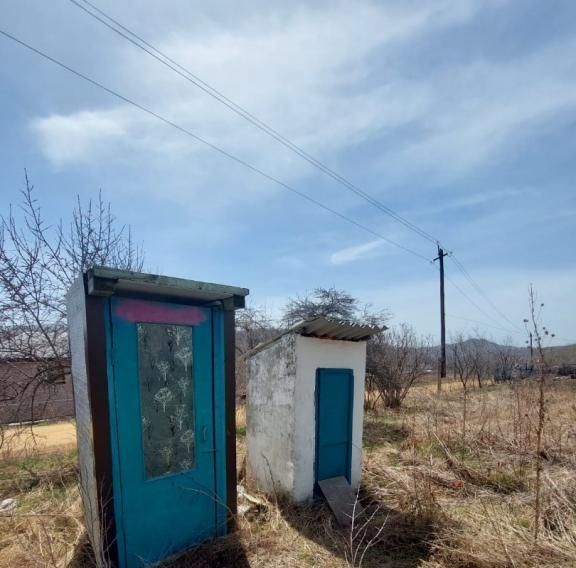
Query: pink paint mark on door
154	312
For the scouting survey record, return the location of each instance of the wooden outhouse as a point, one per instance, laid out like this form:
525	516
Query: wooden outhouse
153	374
305	407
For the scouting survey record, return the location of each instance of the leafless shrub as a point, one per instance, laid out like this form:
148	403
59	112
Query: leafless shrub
533	323
506	359
395	360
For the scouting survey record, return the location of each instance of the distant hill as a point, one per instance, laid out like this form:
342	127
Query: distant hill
564	354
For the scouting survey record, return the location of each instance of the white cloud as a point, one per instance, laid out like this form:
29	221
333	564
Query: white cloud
358	252
306	71
77	137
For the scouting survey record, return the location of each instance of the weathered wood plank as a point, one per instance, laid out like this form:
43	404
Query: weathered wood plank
103	281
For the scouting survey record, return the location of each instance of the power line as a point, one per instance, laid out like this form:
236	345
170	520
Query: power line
480	291
471	301
120	29
185	73
214	147
495	324
452	316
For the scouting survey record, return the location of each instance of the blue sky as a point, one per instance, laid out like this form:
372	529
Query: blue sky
458	114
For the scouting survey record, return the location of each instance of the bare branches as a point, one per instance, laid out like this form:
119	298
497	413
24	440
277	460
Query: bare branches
323	302
537	331
38	262
253	326
332	303
394	362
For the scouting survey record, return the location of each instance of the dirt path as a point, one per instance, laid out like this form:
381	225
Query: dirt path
45	437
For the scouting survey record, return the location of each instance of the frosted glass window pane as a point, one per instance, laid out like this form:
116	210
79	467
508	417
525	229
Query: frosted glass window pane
166	397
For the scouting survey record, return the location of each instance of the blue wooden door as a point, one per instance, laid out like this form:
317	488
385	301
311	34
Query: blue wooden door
334	398
162	402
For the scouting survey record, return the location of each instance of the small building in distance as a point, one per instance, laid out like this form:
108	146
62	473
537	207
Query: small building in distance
305	407
35	382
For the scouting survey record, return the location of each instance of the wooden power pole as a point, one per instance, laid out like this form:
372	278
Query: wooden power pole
442	373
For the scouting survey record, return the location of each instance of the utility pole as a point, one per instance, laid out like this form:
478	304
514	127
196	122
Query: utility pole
442	373
531	352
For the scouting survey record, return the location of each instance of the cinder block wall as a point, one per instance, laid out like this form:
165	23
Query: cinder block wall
25	398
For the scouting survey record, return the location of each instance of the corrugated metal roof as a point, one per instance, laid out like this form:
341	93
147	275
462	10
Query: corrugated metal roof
335	329
324	328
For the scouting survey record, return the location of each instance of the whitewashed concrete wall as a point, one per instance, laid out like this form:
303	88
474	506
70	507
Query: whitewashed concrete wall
311	354
281	412
270	417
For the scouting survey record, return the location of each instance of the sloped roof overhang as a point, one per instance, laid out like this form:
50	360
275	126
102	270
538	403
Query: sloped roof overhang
103	281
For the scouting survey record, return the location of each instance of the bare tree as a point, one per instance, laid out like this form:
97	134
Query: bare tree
323	302
395	360
463	357
480	357
460	360
472	357
253	326
38	262
334	304
505	360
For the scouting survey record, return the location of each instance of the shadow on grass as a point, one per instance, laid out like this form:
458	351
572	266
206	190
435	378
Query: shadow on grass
83	555
220	553
378	432
405	541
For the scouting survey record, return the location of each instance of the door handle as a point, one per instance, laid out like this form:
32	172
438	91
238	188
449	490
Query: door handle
204	432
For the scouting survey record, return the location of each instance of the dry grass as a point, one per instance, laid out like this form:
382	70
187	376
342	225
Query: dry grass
45	529
39	437
449	492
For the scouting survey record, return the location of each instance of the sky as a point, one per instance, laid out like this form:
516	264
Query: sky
457	114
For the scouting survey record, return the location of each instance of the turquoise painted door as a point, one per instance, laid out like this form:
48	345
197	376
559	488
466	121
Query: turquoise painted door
166	443
334	397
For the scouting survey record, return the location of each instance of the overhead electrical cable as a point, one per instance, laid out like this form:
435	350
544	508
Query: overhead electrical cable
160	56
138	41
211	145
483	323
480	291
472	302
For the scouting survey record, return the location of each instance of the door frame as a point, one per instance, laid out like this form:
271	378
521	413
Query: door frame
317	394
224	471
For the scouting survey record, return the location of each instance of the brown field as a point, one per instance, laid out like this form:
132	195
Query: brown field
40	437
447	483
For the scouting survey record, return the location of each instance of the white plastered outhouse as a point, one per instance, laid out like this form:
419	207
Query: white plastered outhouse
305	407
